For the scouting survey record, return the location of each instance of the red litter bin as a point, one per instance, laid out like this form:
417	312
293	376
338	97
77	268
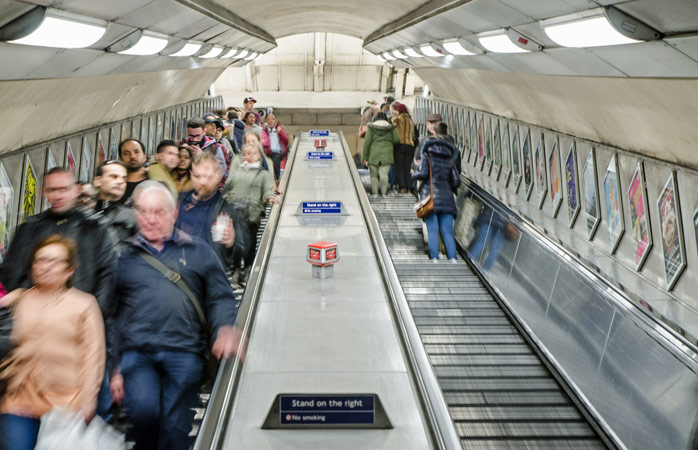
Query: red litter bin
320	143
322	256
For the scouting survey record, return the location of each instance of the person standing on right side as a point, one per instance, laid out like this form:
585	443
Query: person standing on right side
132	153
405	149
378	151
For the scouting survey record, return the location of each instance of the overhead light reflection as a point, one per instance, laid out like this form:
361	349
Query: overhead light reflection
63	33
188	50
146	45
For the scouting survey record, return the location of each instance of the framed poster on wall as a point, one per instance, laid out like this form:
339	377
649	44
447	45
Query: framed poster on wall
113	145
527	164
69	159
85	162
465	133
473	140
151	135
671	231
515	157
541	173
50	164
166	124
488	144
555	176
639	216
158	130
7	195
506	154
572	185
614	206
480	143
101	152
30	190
590	187
144	136
136	129
496	149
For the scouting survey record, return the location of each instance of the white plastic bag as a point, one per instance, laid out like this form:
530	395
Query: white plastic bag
62	429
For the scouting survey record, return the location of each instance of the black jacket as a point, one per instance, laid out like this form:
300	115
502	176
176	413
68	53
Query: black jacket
119	218
445	177
96	255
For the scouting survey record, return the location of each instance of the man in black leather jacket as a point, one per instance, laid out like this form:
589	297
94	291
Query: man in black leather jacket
96	255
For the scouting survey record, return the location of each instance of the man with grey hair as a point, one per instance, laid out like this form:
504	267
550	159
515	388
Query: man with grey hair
160	334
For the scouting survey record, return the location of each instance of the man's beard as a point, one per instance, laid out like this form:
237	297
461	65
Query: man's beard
134	169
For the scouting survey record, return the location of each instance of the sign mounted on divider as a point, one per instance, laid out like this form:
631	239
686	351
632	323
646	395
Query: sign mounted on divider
327	411
320	155
321	207
319	133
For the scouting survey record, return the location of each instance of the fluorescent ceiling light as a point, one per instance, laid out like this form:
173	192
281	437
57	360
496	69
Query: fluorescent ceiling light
592	32
398	54
251	56
215	51
455	48
242	54
411	52
381	59
230	53
188	50
428	50
500	43
147	45
63	33
387	56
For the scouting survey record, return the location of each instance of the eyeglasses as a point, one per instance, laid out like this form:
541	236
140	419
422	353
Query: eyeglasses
157	212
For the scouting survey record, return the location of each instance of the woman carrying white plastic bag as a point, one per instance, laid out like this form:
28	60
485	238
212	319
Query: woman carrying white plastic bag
62	429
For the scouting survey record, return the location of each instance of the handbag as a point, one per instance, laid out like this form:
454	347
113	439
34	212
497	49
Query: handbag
425	206
62	429
210	364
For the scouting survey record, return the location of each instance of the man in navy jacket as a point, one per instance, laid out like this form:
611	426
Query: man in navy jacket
158	337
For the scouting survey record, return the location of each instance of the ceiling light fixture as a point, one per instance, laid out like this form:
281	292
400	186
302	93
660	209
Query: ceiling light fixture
147	45
251	56
242	54
500	43
230	53
188	50
428	50
388	56
215	51
381	59
412	52
597	27
61	29
398	54
456	48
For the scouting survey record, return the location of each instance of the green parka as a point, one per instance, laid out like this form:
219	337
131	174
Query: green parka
252	186
380	139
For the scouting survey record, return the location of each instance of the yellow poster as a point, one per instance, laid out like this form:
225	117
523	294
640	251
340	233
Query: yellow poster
29	190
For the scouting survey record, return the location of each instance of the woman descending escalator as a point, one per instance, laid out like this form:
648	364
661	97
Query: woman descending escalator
440	179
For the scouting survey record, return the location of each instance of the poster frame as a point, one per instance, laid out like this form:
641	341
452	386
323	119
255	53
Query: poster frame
480	143
672	185
6	222
516	150
613	175
527	158
488	146
541	171
506	153
573	177
86	159
27	167
69	160
496	149
591	159
640	255
473	140
555	169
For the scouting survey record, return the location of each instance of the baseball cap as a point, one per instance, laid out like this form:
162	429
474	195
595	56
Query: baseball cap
435	117
210	118
249	99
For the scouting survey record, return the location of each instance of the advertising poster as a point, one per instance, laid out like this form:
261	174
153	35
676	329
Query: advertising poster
70	158
151	135
527	164
639	219
473	141
515	158
158	132
113	145
50	164
30	190
166	133
541	173
465	133
506	154
85	162
101	152
7	194
183	131
496	149
572	189
488	145
144	135
480	144
614	206
176	126
672	234
591	194
555	177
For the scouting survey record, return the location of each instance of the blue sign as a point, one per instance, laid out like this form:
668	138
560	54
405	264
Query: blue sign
320	155
319	133
321	208
327	409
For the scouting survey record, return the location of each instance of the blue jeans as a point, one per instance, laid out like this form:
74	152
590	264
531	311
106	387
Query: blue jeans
161	390
495	236
443	222
18	432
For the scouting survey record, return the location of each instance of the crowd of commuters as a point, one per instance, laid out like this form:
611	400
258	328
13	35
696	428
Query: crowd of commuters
115	293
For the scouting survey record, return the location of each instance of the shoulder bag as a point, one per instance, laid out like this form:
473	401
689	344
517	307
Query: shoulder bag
425	206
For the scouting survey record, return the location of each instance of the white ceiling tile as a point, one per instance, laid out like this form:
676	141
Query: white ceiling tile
687	45
545	9
648	59
666	16
583	62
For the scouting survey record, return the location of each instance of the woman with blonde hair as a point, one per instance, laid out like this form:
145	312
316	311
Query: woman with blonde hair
59	357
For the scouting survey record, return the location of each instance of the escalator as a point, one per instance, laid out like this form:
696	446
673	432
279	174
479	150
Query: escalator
499	393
